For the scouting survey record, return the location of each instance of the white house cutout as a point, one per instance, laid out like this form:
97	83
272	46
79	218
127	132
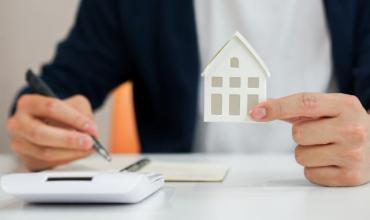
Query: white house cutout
234	82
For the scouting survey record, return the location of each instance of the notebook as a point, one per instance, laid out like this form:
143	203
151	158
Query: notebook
172	171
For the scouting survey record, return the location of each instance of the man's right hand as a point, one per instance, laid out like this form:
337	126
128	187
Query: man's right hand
46	132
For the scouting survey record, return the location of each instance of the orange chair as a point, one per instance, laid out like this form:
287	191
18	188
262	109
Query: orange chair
124	136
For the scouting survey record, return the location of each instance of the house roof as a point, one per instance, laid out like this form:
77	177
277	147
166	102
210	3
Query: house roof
245	43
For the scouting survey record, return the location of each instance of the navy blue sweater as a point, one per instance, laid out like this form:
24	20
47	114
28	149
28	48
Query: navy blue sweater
154	44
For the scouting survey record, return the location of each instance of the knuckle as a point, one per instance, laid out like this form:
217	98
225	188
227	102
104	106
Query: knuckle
356	132
278	109
81	99
11	125
355	155
24	101
350	177
351	100
84	105
51	106
308	103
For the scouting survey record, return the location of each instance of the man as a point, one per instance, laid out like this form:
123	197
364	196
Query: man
155	44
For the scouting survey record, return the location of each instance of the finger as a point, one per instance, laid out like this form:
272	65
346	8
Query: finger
39	133
318	156
298	119
316	132
47	154
38	165
334	176
325	176
298	105
81	104
51	108
35	165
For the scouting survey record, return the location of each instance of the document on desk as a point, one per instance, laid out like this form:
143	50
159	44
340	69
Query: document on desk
172	171
188	172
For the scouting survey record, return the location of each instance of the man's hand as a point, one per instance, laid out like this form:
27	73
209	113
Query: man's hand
46	132
332	132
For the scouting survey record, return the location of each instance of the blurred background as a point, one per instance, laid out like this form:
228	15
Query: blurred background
29	32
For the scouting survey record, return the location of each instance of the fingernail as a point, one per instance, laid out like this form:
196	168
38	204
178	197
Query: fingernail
90	128
85	142
258	113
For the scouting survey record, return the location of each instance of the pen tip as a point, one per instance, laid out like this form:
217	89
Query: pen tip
107	156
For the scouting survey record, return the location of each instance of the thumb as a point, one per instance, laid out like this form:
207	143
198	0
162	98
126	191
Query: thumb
81	104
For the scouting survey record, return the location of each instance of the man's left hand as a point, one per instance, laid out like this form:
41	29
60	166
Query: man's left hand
332	132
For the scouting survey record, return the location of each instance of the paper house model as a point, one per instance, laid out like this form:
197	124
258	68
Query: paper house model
234	82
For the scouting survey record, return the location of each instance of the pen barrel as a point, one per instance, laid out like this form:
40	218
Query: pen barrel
38	85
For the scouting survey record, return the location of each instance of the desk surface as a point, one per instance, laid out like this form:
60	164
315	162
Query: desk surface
256	187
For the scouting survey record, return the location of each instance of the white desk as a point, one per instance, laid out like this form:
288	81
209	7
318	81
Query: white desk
256	187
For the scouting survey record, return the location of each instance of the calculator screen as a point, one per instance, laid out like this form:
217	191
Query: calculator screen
74	178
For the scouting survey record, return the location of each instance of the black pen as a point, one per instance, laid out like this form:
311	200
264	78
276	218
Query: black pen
136	166
40	87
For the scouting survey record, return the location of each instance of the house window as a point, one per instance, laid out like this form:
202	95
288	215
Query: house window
234	105
216	81
234	62
253	82
216	104
234	82
252	101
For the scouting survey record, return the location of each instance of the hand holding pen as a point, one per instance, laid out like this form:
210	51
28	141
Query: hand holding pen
46	132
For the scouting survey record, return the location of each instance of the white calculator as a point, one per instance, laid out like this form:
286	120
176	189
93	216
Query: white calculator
82	187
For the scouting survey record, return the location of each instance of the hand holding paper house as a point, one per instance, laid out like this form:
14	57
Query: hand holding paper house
234	82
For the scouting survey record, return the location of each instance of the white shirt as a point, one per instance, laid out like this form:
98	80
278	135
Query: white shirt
291	37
